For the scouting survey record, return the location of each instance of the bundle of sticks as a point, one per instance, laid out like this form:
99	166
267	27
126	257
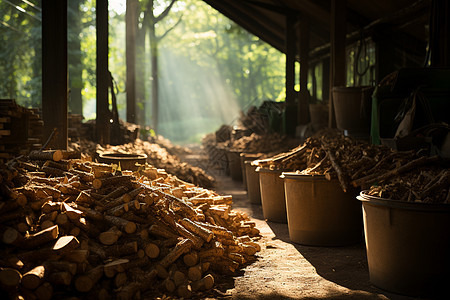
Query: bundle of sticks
395	174
75	227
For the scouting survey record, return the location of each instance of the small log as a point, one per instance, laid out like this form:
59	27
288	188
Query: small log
44	291
38	254
168	285
34	278
125	225
120	279
116	180
203	232
60	278
41	237
112	268
184	291
72	214
110	237
129	291
55	155
181	248
62	265
190	259
195	272
84	283
12	237
66	243
77	256
204	284
85	176
217	230
152	250
161	271
90	213
9	278
178	277
197	242
115	193
121	250
161	231
53	171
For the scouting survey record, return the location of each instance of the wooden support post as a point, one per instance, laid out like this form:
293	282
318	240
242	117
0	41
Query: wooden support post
337	56
54	72
131	29
290	114
102	127
303	103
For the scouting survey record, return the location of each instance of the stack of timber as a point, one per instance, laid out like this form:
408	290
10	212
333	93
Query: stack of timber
76	228
75	128
20	129
402	175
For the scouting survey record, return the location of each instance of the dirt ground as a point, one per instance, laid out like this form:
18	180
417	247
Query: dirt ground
285	270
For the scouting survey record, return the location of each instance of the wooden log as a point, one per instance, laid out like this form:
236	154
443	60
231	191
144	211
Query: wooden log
9	278
178	277
33	278
85	176
38	254
181	248
77	256
121	250
66	243
203	232
217	230
161	272
90	213
40	238
197	242
71	213
62	165
204	284
110	237
129	291
190	259
60	278
168	285
116	180
12	237
343	180
125	225
44	291
112	268
61	265
125	198
161	231
195	272
55	155
53	171
152	250
84	283
120	279
184	291
115	193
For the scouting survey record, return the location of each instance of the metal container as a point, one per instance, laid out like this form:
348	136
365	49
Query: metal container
319	212
408	246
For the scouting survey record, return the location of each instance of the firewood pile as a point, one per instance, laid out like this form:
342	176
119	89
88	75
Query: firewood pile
20	129
400	175
157	156
77	228
256	143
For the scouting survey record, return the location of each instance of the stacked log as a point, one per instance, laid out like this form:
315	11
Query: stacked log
20	129
401	175
75	226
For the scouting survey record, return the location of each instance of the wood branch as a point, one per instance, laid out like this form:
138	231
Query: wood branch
84	283
33	278
203	232
181	248
110	237
9	278
41	237
152	250
125	225
61	265
55	155
204	284
337	168
60	278
190	259
158	230
116	180
197	241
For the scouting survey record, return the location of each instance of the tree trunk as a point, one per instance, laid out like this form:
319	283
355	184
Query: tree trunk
74	55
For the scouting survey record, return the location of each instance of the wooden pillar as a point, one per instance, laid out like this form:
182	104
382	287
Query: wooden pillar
102	128
54	72
326	79
439	33
290	120
337	55
303	103
385	51
131	29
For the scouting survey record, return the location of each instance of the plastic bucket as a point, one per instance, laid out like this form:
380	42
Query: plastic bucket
320	213
352	107
272	195
408	246
127	161
234	164
253	190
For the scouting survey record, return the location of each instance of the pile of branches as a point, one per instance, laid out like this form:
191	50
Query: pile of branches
157	156
400	175
73	227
